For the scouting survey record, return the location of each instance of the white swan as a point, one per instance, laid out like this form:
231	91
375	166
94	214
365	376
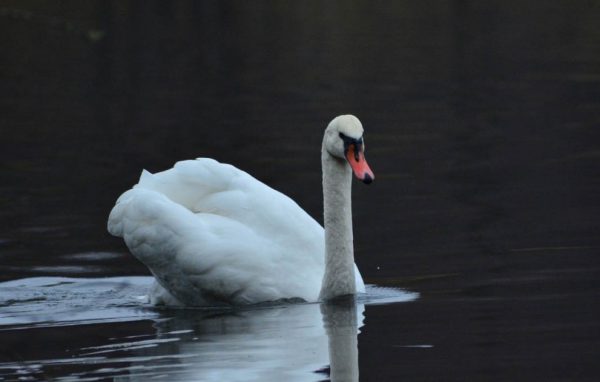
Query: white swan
212	234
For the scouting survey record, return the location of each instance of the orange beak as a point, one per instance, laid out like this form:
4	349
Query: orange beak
359	164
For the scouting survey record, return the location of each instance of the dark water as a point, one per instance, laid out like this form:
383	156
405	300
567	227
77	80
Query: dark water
482	124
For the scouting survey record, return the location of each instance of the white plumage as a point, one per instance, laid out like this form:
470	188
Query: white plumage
210	233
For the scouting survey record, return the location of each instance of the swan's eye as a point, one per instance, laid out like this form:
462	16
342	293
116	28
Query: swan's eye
349	141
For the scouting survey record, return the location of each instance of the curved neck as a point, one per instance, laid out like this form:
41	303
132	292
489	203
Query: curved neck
338	279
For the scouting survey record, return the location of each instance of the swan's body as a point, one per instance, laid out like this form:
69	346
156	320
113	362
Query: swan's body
212	234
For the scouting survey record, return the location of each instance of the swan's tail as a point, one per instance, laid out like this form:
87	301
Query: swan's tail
151	226
148	223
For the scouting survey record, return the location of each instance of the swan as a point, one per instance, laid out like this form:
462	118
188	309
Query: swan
211	234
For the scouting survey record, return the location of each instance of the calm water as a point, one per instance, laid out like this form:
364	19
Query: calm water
483	129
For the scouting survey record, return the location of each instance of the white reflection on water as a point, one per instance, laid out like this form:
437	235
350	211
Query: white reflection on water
287	343
284	343
58	301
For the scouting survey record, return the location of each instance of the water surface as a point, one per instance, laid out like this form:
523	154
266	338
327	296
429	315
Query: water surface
482	128
133	340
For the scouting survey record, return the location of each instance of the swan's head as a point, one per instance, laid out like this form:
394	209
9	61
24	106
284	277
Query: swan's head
344	139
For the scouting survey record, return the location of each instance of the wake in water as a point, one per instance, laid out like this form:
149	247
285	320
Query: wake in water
68	301
105	328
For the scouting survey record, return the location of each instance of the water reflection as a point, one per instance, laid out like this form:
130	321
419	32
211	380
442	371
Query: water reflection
289	343
133	341
341	323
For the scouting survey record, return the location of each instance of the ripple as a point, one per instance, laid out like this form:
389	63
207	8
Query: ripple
377	295
93	256
66	269
56	301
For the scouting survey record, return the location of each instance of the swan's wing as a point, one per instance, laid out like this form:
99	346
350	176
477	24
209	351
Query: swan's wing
190	182
207	186
206	259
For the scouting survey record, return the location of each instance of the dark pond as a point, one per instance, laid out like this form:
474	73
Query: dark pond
482	124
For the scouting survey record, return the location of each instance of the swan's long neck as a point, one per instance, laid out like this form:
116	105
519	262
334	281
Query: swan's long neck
339	250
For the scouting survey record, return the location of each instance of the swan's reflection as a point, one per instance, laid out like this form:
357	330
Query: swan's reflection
294	342
340	319
286	343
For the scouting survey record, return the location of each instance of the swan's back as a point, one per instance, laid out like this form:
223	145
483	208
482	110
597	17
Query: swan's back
211	233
